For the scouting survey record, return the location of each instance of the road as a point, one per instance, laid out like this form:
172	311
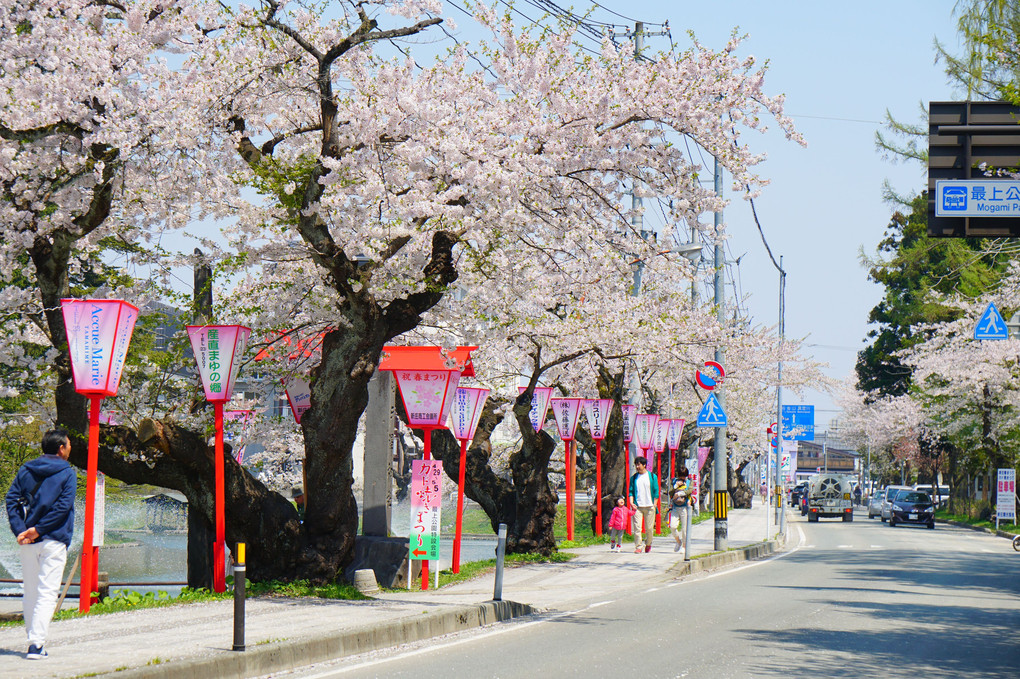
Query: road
856	599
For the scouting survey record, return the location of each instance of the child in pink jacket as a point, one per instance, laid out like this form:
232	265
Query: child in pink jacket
618	522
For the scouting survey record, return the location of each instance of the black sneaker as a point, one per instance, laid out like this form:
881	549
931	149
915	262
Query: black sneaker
36	653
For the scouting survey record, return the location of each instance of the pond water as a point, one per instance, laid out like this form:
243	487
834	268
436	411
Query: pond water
143	556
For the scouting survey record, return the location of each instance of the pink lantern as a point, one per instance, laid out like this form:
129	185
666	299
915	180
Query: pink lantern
676	432
539	406
427	384
629	420
299	395
98	334
566	412
659	445
596	412
218	349
468	403
644	430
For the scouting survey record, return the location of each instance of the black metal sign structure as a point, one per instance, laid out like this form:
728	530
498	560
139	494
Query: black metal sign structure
966	139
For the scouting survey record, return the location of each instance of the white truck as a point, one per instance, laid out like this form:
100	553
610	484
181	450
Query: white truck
830	495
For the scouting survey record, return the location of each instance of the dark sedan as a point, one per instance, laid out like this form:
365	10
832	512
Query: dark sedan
798	491
911	506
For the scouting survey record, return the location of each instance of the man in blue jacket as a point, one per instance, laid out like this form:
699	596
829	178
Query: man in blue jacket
40	508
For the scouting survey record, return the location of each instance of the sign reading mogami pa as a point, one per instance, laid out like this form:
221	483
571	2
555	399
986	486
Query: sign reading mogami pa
426	500
977	198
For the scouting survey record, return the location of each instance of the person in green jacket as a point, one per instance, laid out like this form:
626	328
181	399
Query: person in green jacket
643	498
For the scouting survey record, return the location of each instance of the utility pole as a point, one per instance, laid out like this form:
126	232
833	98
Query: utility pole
719	480
779	399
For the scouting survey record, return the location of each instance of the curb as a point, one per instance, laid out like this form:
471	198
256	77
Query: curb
262	660
980	529
709	562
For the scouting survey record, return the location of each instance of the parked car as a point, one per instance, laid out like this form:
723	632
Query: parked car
887	497
912	506
875	503
795	494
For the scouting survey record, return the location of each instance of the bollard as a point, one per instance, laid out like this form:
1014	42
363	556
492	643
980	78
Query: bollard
687	532
497	594
239	592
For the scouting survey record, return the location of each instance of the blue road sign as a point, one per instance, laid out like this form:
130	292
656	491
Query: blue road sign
991	326
712	414
799	423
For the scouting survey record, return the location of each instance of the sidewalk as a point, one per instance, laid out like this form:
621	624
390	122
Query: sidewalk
194	641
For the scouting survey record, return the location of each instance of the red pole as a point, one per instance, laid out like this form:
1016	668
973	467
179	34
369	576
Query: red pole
598	486
90	554
219	551
626	479
658	502
460	505
567	459
427	432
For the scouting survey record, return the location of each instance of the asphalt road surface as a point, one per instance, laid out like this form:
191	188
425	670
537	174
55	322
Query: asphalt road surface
856	599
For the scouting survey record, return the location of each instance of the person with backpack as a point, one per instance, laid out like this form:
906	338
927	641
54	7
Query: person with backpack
40	508
680	498
643	498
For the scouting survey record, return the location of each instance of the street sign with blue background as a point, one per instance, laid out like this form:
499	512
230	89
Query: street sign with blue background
712	414
977	198
991	326
799	423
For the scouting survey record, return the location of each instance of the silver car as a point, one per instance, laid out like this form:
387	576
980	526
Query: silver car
887	497
875	503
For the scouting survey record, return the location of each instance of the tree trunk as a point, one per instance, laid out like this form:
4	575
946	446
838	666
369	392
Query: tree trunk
740	491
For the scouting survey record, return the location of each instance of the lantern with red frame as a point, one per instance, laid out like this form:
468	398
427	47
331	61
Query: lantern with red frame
673	436
539	406
629	420
98	335
299	395
465	414
659	445
218	350
596	412
644	432
566	412
427	379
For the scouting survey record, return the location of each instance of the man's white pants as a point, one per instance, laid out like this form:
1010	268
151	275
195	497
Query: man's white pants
42	565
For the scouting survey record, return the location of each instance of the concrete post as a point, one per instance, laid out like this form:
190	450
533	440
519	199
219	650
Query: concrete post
378	455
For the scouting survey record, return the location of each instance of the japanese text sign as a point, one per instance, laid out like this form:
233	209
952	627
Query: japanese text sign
1005	505
426	501
539	405
218	349
566	412
661	431
629	418
427	395
675	433
597	411
644	430
98	335
299	395
468	403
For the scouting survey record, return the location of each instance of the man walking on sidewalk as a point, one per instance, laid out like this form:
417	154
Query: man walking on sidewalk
644	493
40	508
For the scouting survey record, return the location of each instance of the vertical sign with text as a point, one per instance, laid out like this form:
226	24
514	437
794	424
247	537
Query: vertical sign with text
1005	505
426	498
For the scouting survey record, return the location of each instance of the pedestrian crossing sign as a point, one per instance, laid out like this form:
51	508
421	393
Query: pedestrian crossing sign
991	326
712	414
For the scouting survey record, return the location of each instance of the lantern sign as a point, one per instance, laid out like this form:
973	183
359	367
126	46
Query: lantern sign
539	406
675	433
566	411
217	351
426	501
427	396
596	412
661	432
468	403
644	430
629	419
466	411
299	395
98	334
